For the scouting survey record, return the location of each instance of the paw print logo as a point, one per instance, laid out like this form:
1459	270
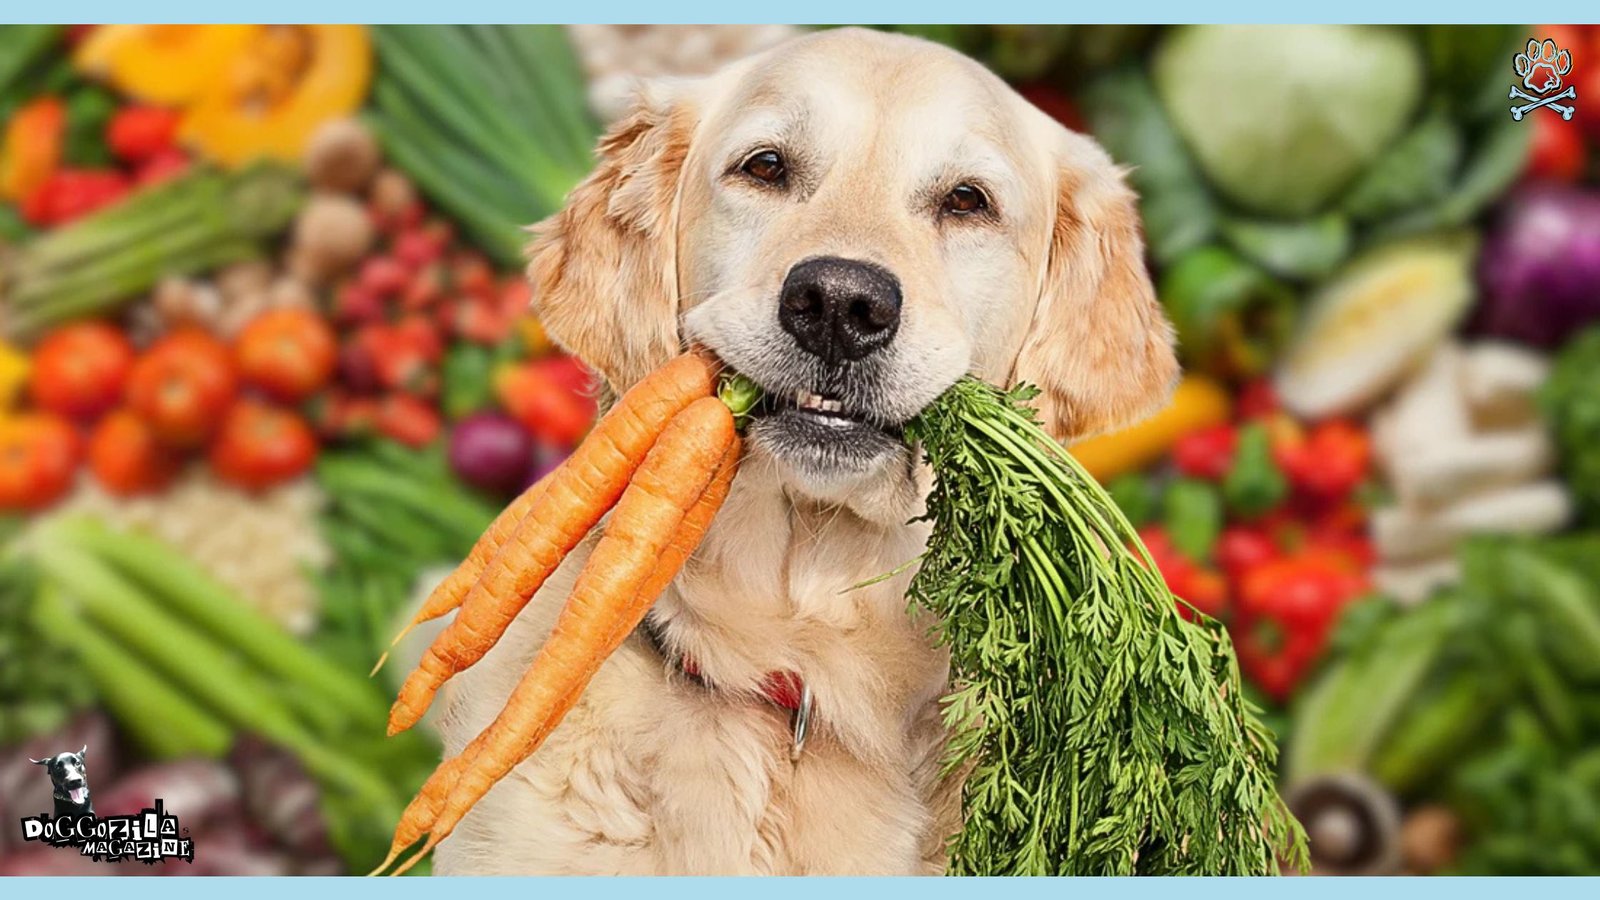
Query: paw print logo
1542	66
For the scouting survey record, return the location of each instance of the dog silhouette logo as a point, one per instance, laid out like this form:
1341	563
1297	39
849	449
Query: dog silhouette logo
1542	66
69	782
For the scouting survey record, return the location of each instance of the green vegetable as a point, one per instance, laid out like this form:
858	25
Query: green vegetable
1231	317
1106	734
1500	155
190	224
1417	170
468	382
1348	711
1467	65
392	512
22	47
160	717
1283	117
89	110
39	691
1481	698
1193	517
1136	496
1254	484
1178	212
1308	249
1571	406
491	121
201	601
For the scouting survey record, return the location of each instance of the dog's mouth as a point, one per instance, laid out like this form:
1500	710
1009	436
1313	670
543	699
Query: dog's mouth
77	793
822	433
823	409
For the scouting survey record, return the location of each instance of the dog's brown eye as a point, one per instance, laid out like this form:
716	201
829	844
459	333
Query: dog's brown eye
964	199
766	166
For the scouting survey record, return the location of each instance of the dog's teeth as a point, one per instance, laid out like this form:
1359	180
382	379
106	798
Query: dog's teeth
832	406
808	400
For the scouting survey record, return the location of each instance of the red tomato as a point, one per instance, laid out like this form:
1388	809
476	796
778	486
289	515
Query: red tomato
1274	658
163	166
1206	453
259	446
38	454
139	133
80	370
1558	151
70	194
1341	452
537	400
409	420
288	353
389	356
182	385
1241	549
1305	591
126	457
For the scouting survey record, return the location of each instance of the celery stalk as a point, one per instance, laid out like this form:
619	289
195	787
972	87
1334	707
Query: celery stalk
161	718
201	600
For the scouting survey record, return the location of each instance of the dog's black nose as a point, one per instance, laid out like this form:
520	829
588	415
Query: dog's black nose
840	309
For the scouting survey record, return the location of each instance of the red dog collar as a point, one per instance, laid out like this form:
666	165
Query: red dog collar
782	688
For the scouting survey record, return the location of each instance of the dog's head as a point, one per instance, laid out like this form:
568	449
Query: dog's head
69	775
855	220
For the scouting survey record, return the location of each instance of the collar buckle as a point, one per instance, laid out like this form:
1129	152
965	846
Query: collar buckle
802	722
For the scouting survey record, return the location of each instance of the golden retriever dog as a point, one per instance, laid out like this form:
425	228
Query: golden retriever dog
854	220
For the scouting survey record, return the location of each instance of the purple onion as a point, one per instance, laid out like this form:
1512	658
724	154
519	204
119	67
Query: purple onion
1540	266
489	450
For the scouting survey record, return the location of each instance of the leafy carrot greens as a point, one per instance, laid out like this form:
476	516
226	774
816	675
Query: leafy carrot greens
1105	734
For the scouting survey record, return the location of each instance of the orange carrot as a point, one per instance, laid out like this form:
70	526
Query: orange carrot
659	520
450	592
421	813
586	486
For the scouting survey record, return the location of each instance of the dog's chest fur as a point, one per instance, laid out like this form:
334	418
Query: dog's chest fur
653	773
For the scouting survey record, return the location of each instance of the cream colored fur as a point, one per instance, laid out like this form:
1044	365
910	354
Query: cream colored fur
652	773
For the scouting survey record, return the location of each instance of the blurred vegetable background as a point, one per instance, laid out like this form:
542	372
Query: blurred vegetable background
266	365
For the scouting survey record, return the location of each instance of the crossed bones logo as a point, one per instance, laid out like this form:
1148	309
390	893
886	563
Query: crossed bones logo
1541	67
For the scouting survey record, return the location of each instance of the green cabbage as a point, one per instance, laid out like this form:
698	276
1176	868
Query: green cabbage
1280	118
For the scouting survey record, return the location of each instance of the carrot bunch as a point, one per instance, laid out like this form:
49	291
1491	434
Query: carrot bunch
661	461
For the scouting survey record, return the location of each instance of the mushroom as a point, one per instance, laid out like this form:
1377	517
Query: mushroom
342	157
331	234
1353	824
1430	839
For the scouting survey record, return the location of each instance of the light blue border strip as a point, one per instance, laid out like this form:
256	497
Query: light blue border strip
813	888
836	11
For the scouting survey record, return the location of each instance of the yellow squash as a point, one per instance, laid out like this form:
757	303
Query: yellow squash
168	65
272	96
1197	403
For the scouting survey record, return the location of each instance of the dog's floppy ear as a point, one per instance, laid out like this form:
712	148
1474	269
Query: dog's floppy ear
1099	347
603	269
40	762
